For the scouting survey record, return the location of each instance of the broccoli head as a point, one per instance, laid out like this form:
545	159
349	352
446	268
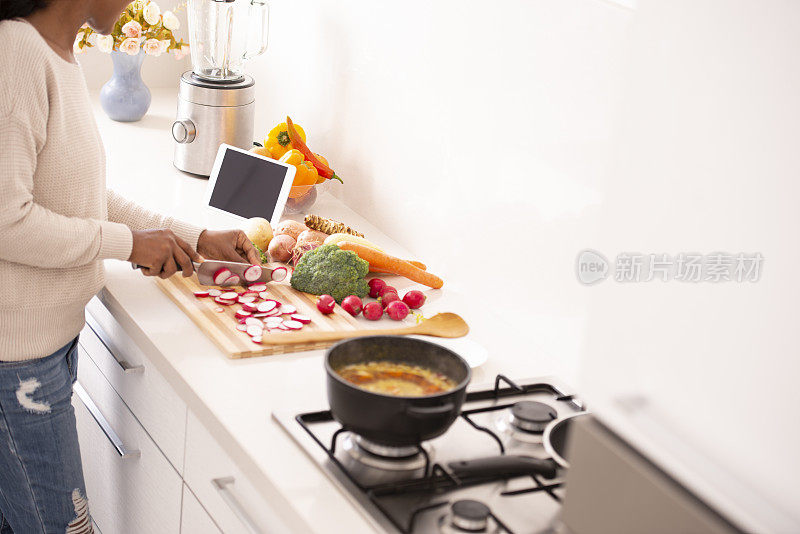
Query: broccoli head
330	270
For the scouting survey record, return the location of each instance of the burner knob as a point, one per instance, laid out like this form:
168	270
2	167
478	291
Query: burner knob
532	416
183	131
469	515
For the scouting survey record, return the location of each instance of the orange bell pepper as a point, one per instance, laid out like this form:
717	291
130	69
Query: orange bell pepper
305	176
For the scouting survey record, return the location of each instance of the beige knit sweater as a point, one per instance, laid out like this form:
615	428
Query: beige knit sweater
57	219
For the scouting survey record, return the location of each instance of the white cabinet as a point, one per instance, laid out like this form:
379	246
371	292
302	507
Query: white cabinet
221	486
145	391
194	518
131	486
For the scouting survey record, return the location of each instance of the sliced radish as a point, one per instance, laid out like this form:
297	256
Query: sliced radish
305	319
266	296
246	300
287	309
229	295
224	302
214	292
222	275
250	306
294	325
267	306
279	274
243	313
283	327
253	321
219	310
256	339
232	280
252	273
258	288
249	293
201	294
255	330
241	327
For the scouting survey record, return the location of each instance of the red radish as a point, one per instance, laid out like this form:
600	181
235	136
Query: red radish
219	310
201	294
241	327
352	305
373	311
283	327
415	299
287	309
255	329
250	306
294	325
266	306
249	293
232	280
214	292
221	275
273	322
252	273
243	314
273	313
375	286
397	310
249	321
326	303
305	319
256	339
388	298
229	295
247	300
279	274
387	289
224	302
258	288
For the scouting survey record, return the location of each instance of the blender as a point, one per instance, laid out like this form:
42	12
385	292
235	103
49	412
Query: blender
216	99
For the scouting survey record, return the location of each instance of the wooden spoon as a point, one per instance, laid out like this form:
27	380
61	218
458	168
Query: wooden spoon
440	325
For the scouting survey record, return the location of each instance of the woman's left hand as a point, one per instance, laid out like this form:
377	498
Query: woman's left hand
227	245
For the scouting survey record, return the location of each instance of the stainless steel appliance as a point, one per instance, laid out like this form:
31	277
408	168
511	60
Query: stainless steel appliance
417	489
216	99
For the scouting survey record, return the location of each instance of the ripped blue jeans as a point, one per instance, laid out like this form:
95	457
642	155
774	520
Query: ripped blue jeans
41	479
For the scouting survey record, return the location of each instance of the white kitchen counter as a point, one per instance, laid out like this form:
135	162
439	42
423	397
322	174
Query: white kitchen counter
234	399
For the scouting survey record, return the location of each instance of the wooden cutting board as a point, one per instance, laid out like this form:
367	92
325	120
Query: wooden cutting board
220	327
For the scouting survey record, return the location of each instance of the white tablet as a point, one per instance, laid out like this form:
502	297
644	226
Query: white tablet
244	184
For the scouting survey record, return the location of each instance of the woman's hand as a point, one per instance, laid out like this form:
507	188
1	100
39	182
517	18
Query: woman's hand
227	245
161	253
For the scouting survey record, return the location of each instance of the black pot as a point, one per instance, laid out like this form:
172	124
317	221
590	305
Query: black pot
389	419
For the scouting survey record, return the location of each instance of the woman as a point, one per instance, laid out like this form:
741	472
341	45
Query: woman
57	223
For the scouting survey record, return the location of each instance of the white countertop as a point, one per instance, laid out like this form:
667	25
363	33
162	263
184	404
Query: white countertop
235	398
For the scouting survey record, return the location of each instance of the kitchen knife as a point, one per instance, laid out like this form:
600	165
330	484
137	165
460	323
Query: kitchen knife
205	272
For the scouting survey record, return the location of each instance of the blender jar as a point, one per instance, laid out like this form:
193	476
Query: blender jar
223	34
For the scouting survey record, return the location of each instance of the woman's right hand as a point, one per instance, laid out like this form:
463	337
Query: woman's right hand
161	253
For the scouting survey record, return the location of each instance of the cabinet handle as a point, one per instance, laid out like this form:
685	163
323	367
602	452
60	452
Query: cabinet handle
103	423
221	485
94	326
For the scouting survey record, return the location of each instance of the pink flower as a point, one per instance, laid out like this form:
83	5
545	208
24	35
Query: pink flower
180	53
152	47
130	46
132	29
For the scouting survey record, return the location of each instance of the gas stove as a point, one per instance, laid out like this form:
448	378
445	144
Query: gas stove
411	490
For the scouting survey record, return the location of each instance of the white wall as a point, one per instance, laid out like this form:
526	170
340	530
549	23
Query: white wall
474	133
164	71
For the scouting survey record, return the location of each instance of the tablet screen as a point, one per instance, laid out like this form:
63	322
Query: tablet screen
247	186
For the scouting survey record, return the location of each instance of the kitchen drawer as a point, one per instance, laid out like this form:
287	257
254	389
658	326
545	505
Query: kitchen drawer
132	487
194	518
146	392
222	488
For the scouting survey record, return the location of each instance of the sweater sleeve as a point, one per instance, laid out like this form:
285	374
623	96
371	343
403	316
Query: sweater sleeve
136	217
31	234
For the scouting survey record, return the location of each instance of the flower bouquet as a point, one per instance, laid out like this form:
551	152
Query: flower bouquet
141	30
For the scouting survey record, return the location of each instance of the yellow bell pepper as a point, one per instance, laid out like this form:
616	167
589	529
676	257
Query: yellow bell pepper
305	176
278	142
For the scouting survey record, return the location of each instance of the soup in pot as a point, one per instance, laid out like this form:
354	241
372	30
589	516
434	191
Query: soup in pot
398	379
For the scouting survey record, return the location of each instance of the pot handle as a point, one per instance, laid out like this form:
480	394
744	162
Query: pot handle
506	466
423	412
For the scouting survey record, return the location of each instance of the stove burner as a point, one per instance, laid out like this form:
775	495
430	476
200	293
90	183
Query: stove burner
383	457
469	515
532	416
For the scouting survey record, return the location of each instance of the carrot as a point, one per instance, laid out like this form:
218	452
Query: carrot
392	265
417	264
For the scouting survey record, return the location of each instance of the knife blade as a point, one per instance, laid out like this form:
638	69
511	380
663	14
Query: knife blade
207	269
